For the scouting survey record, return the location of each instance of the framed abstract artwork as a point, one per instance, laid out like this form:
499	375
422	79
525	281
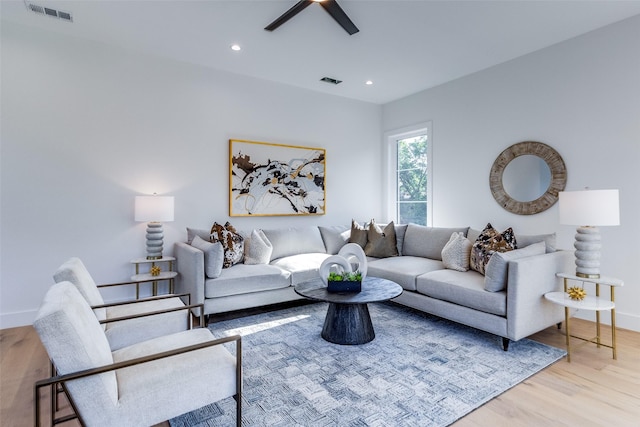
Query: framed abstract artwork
268	179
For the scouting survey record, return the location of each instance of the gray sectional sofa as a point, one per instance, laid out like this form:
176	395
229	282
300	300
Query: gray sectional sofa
513	310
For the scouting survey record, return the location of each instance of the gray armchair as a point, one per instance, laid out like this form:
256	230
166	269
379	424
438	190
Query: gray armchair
138	385
128	322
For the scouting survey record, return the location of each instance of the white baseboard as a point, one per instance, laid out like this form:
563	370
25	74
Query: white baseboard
623	320
17	318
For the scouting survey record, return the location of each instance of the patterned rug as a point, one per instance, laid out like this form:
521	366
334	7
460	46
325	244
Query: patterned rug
420	370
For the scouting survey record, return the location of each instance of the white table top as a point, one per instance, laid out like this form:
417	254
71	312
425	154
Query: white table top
588	303
144	277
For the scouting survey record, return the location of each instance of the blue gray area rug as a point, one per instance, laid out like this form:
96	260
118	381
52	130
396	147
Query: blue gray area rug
420	370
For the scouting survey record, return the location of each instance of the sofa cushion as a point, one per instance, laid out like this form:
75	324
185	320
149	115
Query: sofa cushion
232	242
403	269
529	239
427	242
359	234
213	256
193	232
257	248
489	242
243	279
381	243
495	275
455	254
303	267
463	288
334	238
401	230
294	241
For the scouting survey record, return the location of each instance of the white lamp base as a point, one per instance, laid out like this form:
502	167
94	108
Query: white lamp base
154	240
587	253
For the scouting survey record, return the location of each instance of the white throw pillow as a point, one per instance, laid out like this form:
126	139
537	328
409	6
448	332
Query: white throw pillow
257	248
455	254
495	275
213	256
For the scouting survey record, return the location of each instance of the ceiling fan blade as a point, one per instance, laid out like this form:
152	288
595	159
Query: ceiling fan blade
297	8
339	15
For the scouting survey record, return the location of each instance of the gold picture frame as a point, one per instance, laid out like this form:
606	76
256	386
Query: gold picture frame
267	179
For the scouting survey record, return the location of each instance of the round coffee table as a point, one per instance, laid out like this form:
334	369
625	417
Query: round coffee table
348	321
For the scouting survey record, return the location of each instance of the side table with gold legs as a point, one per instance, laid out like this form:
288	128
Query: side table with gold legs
154	277
592	303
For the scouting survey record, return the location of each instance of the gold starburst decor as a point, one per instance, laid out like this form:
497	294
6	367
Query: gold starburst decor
155	270
576	293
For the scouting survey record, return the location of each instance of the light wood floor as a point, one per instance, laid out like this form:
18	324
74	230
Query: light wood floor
592	390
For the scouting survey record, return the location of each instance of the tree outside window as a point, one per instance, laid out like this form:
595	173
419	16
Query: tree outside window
411	202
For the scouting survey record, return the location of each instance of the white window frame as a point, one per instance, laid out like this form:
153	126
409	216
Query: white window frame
391	153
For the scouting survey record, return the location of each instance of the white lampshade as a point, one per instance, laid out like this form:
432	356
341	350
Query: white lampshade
589	207
154	208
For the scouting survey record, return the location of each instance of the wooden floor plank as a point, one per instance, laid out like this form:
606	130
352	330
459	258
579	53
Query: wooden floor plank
592	390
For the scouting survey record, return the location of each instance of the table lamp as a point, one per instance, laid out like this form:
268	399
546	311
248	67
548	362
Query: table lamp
154	210
589	209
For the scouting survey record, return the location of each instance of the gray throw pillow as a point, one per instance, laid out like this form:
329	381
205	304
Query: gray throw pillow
455	254
213	256
496	272
257	248
381	243
358	234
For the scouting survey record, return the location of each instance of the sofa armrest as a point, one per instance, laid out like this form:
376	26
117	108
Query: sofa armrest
529	279
190	266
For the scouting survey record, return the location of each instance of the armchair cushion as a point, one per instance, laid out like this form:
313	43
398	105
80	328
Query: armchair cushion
74	340
152	392
74	271
127	332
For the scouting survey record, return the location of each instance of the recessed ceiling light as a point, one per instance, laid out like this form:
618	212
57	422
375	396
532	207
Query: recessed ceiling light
368	82
236	47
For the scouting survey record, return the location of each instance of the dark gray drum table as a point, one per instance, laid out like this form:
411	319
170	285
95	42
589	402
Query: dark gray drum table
348	320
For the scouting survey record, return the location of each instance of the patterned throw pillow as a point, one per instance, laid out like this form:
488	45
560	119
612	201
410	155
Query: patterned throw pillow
381	243
358	234
455	254
489	242
232	242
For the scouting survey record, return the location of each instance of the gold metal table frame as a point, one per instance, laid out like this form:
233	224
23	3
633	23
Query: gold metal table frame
591	303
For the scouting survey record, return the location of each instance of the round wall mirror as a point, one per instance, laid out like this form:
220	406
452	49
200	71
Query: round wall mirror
526	178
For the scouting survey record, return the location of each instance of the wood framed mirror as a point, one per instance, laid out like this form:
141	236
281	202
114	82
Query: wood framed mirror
525	179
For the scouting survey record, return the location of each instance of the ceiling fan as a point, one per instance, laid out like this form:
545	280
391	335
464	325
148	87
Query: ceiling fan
330	6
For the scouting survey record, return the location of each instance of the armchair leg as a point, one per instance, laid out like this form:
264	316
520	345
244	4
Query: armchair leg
238	399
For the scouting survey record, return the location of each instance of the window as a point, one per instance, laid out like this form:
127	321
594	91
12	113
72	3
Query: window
409	177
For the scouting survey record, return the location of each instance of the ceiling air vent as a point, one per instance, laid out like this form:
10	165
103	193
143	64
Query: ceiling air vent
330	80
66	16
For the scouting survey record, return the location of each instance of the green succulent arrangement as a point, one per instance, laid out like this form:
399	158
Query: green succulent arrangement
355	276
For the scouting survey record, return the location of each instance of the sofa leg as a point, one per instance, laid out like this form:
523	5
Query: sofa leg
505	344
559	325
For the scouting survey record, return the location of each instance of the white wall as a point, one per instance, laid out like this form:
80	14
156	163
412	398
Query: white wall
86	127
582	97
